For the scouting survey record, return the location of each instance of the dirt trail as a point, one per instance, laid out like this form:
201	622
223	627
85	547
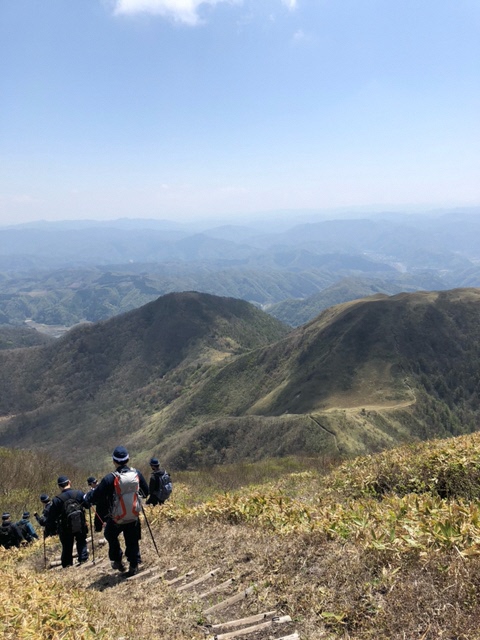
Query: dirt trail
202	578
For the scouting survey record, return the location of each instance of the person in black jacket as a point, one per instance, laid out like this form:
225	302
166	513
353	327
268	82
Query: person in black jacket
123	514
10	534
71	528
160	484
42	520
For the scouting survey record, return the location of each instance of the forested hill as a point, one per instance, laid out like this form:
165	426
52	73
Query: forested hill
100	381
199	379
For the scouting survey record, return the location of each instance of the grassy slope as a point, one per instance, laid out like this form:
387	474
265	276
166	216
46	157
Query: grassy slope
197	379
384	546
99	382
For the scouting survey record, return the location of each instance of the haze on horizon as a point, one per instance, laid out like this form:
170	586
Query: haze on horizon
191	109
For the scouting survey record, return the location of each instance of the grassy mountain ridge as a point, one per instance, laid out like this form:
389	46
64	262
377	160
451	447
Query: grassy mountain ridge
362	376
102	379
200	379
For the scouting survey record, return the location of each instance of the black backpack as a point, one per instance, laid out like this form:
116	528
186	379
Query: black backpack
25	531
6	536
73	519
164	486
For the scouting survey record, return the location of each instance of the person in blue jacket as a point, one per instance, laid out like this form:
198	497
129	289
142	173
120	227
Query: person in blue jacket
67	532
26	528
106	493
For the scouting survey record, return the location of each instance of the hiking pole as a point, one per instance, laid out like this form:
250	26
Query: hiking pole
44	550
150	529
91	534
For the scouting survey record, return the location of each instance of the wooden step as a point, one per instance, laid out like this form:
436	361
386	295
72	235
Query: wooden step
238	623
217	588
170	583
253	629
226	603
199	580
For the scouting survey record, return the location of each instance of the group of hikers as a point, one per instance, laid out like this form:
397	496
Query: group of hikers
117	499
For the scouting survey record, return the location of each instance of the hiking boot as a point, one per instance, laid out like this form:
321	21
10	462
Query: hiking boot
118	566
132	570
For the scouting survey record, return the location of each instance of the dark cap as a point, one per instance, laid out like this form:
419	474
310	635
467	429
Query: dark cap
154	462
5	516
44	498
120	455
62	481
91	479
26	515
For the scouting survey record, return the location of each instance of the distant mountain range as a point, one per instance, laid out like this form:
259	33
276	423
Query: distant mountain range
200	379
69	272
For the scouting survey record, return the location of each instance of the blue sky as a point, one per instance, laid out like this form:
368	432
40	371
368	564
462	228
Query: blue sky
185	109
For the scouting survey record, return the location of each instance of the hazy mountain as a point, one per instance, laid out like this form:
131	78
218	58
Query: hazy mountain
203	379
67	272
297	312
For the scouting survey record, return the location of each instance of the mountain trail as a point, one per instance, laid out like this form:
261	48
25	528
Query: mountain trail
184	593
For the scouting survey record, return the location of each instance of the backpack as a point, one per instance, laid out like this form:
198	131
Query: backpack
6	536
126	499
164	486
73	514
25	531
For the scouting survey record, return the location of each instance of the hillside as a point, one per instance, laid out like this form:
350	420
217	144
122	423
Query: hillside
298	312
201	380
383	546
363	376
99	382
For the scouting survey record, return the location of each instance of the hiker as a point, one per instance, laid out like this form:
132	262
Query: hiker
101	510
10	534
51	530
26	527
122	490
160	484
68	512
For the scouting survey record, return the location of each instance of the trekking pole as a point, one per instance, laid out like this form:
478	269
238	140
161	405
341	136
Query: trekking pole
150	529
44	550
91	534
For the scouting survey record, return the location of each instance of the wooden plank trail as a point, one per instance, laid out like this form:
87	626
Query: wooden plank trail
237	623
199	580
226	603
217	588
170	583
254	628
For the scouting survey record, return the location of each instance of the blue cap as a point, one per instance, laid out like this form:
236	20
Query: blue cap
62	481
154	462
120	455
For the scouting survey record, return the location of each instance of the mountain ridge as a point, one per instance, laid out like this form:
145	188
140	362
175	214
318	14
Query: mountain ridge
200	379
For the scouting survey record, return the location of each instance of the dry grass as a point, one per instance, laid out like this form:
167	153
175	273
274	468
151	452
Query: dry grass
346	555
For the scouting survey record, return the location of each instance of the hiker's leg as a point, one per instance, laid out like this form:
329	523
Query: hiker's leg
67	549
112	532
130	532
82	549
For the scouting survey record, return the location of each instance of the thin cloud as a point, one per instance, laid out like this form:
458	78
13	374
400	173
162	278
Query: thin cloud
185	11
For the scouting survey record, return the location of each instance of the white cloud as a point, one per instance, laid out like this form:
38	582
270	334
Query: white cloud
302	38
185	11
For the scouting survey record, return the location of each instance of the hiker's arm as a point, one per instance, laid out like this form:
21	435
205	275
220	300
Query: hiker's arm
144	490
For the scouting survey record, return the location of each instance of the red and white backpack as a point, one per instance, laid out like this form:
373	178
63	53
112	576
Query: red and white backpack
127	503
